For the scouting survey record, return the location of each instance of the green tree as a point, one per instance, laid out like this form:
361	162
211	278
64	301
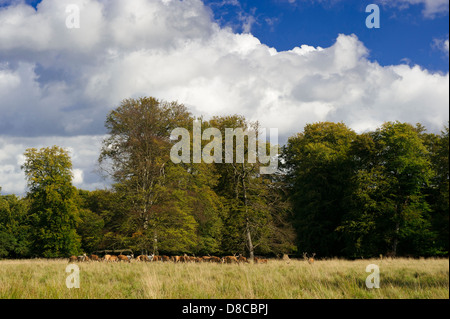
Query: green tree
438	190
319	173
53	214
160	195
255	215
390	213
91	225
14	228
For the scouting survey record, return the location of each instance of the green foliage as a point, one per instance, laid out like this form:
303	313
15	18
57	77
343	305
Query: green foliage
14	231
391	175
319	171
53	213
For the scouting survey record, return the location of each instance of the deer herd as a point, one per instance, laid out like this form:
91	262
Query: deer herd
235	259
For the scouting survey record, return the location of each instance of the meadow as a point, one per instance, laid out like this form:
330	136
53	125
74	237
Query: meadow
294	279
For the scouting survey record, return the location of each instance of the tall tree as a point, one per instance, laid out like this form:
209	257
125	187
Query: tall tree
255	219
53	211
438	190
137	151
390	213
319	173
160	194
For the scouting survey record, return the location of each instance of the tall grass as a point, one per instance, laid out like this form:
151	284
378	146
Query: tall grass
331	279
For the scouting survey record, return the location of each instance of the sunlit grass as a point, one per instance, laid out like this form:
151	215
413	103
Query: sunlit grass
331	279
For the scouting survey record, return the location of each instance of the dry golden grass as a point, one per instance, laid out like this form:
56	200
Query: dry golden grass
331	279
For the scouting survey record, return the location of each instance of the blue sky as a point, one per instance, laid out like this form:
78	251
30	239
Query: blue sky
406	35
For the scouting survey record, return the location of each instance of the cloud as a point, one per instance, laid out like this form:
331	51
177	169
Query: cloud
83	150
431	8
441	44
57	84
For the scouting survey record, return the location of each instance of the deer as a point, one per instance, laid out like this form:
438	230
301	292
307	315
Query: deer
123	258
310	260
73	259
215	259
242	259
83	258
94	258
175	259
257	260
146	258
230	260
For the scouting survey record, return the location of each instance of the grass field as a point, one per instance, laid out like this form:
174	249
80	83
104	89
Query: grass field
331	279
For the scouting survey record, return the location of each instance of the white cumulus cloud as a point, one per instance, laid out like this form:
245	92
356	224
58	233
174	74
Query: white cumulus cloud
57	84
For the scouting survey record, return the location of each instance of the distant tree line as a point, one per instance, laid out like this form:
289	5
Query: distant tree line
336	193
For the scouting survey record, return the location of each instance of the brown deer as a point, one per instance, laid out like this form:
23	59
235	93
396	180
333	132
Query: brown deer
123	258
142	258
230	260
94	258
215	259
175	259
257	260
73	259
242	259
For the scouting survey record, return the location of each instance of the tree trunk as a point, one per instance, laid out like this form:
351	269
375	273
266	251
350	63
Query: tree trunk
395	242
155	243
251	249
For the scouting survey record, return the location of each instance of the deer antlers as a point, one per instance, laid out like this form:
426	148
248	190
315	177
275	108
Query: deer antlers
310	260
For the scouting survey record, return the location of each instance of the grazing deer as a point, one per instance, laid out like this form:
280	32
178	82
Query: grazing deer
113	258
215	259
257	260
94	258
165	258
123	258
242	259
230	260
206	258
142	258
310	260
83	258
73	259
145	258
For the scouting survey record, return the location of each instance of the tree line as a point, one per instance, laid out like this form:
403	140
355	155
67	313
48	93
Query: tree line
335	193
